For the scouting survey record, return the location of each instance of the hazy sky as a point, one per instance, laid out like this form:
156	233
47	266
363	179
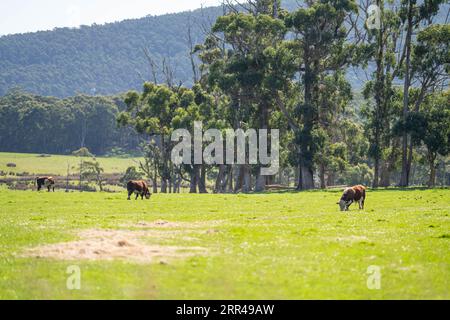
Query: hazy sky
18	16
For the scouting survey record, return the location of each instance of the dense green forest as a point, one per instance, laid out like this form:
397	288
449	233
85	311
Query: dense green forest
65	62
265	67
255	66
31	123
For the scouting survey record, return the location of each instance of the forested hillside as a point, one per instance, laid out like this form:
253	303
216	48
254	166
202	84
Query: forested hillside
109	59
105	59
30	123
100	59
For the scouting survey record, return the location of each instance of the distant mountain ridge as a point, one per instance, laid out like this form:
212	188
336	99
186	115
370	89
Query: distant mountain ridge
98	59
105	59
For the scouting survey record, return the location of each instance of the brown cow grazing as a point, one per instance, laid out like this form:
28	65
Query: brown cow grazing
350	195
139	187
48	182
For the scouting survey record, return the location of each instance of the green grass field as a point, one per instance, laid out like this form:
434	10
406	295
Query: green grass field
57	164
258	246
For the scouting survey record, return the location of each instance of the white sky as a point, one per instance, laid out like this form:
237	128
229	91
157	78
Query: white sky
19	16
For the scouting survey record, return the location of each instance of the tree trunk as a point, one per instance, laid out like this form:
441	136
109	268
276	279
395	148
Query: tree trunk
67	177
409	161
260	182
219	180
177	184
81	174
323	184
405	174
308	178
155	177
413	174
194	178
305	178
202	180
299	177
163	185
404	179
431	161
155	184
229	181
247	179
379	98
432	180
164	175
99	182
385	179
239	178
376	173
330	179
411	145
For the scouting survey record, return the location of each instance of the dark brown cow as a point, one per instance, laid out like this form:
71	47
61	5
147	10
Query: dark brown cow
48	182
139	187
350	195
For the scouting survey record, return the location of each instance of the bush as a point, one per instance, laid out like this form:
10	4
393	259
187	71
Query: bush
131	174
82	152
358	174
118	152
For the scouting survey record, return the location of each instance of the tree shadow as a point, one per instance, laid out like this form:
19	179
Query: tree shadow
340	189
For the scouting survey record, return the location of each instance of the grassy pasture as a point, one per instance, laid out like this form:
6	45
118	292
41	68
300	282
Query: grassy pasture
258	246
57	164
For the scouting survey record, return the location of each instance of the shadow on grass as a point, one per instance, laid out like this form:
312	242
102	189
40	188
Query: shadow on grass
415	188
340	189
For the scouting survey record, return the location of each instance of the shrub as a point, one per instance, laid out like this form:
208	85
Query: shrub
82	152
131	174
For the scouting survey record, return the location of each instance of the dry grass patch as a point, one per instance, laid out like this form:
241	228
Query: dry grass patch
102	244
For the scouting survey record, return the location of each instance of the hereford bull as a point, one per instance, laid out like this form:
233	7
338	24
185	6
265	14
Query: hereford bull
139	187
353	194
48	182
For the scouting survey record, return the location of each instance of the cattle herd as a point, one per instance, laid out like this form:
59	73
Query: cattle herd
140	189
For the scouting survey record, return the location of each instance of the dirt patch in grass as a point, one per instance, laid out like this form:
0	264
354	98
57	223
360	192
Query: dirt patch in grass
97	244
